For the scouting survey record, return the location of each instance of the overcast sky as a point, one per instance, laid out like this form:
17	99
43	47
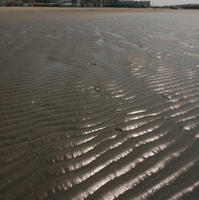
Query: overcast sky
172	2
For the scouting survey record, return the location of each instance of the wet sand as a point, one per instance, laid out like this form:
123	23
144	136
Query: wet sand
99	105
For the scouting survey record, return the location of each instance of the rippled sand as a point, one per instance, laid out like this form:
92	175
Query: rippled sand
99	105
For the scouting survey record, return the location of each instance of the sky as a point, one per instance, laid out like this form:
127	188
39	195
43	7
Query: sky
172	2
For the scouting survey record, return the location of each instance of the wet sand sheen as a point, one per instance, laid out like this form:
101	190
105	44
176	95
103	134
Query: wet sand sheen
99	105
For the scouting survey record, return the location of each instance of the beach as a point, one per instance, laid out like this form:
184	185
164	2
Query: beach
99	103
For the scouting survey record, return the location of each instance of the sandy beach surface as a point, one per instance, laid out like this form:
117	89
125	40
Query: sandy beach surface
99	104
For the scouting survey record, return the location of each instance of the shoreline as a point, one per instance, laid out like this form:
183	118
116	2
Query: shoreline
104	9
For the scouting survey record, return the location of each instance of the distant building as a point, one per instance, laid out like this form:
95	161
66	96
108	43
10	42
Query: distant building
131	3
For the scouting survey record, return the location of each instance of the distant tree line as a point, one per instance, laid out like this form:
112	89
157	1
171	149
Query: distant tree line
94	3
